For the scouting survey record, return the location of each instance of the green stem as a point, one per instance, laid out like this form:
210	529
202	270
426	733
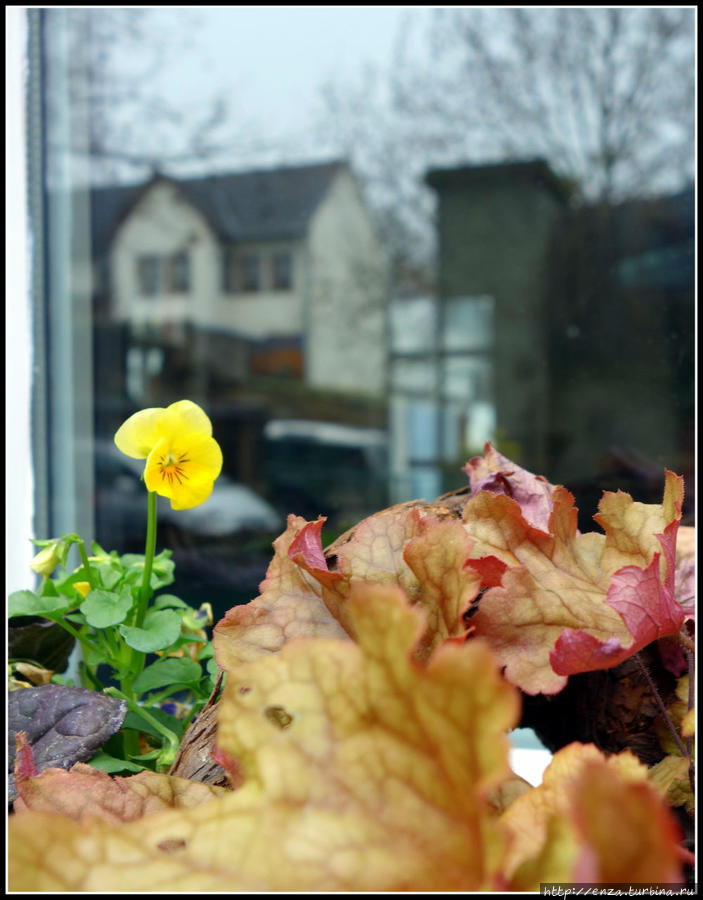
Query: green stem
170	746
83	645
145	594
89	571
138	658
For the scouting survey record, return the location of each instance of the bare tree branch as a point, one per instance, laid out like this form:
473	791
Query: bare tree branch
606	95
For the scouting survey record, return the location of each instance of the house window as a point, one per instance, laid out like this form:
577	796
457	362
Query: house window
179	273
148	275
468	323
251	272
282	270
157	275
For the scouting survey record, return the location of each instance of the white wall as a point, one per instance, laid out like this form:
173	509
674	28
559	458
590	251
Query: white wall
18	349
346	343
339	284
163	224
266	312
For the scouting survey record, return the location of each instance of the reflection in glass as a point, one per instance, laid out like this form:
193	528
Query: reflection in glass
467	378
414	375
468	323
345	364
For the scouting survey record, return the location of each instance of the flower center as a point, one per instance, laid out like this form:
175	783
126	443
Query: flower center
172	467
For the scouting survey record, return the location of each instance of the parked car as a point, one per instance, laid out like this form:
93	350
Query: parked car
340	471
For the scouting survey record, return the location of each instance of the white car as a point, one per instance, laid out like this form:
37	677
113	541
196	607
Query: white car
230	508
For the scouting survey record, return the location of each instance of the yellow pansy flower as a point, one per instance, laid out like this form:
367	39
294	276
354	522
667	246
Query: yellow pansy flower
182	458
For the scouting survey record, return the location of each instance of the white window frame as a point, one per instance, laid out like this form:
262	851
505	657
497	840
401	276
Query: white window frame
19	481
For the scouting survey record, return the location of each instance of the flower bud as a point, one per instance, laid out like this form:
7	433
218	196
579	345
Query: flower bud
45	561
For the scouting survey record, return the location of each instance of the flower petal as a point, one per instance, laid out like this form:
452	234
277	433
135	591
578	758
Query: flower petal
187	417
138	434
188	480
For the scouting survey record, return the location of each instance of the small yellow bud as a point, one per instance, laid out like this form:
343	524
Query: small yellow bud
82	587
45	561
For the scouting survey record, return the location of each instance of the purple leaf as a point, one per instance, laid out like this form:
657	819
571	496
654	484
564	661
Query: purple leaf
63	725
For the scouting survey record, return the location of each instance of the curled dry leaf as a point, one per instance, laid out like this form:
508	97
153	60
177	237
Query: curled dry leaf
290	605
686	570
83	793
572	602
303	595
554	602
496	473
364	770
596	817
671	776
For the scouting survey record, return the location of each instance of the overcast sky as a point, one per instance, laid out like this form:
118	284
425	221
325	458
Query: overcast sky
271	61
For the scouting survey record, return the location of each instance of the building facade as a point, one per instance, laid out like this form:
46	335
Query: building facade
282	266
592	358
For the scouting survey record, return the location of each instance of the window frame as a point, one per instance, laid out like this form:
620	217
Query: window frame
178	274
285	283
255	285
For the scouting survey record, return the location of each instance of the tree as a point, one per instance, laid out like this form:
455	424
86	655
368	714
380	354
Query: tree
605	95
108	109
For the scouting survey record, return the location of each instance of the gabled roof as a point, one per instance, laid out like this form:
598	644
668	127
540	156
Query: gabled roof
265	204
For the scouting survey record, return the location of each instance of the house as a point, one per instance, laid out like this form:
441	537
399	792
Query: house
260	295
591	356
264	272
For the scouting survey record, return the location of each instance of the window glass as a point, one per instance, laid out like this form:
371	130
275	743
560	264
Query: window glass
413	325
467	378
179	273
251	272
282	270
149	275
362	294
468	323
414	375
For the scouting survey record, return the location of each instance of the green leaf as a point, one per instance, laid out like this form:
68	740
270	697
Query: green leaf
167	671
207	652
105	608
98	551
48	588
27	603
94	656
112	765
161	628
110	574
65	585
169	600
135	721
132	560
161	571
212	667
